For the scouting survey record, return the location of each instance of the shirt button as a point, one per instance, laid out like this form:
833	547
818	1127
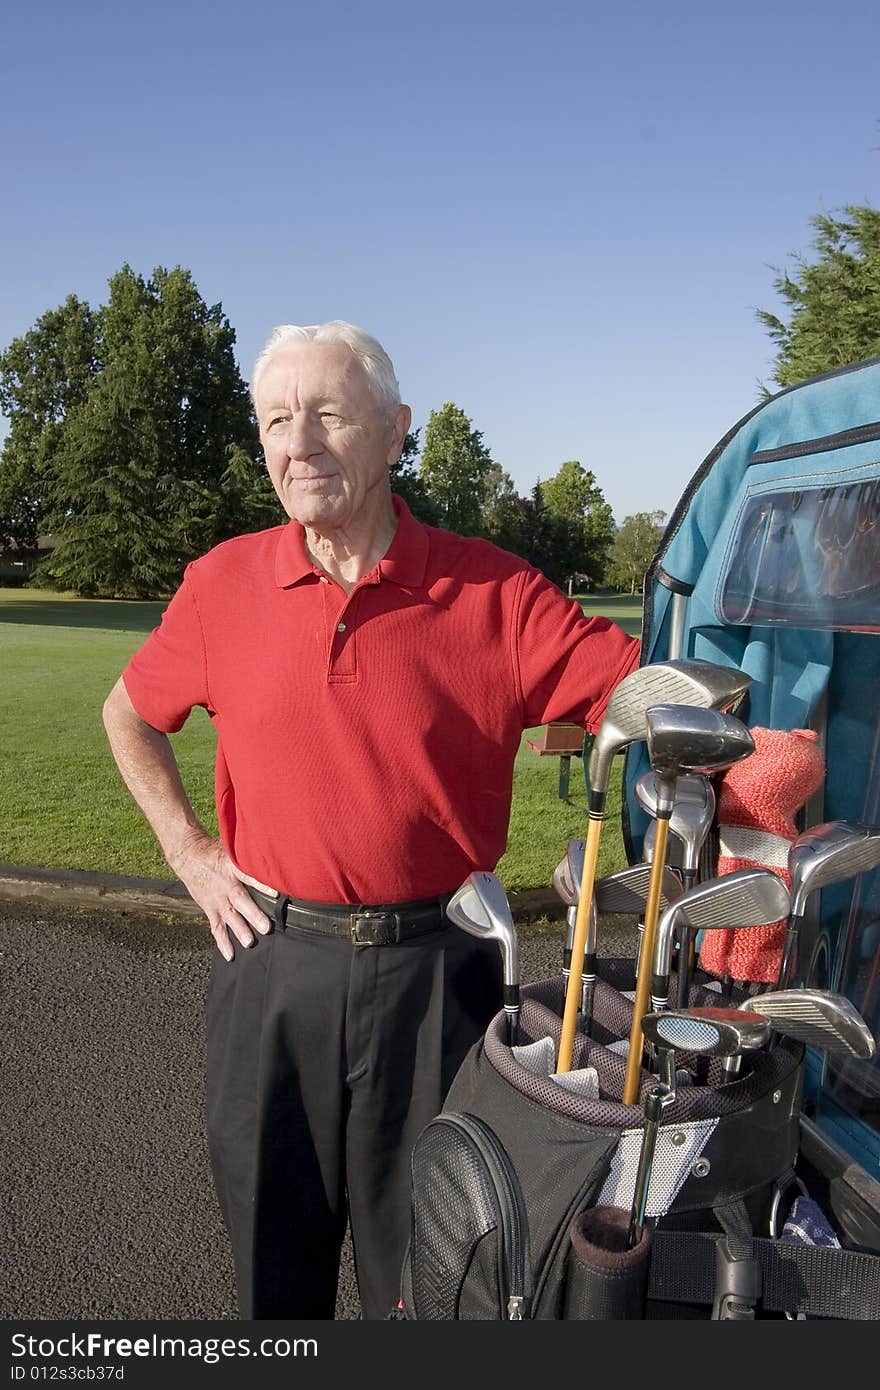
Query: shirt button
340	627
323	578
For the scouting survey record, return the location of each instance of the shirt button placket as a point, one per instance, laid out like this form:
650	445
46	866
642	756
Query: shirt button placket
342	658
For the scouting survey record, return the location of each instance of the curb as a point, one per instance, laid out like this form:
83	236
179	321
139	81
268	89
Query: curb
116	892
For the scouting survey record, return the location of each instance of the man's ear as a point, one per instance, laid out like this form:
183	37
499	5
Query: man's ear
401	418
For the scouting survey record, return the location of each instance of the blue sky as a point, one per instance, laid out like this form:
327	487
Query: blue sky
560	216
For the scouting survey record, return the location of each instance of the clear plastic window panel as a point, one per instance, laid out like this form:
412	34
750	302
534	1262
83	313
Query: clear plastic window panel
808	557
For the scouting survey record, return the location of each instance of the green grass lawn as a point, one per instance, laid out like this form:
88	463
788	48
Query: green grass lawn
65	806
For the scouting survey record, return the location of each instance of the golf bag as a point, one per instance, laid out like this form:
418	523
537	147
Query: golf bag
771	563
521	1188
523	1183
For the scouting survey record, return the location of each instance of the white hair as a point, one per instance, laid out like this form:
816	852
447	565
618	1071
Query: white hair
370	353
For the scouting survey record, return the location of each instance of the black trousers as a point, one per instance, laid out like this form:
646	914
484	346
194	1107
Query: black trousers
325	1062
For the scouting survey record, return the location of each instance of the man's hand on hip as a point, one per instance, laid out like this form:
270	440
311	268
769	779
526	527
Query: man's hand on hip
212	880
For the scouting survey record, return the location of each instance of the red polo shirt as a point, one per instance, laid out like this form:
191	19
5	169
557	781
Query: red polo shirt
366	741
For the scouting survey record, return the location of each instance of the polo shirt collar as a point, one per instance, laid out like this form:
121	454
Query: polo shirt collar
404	564
292	561
407	557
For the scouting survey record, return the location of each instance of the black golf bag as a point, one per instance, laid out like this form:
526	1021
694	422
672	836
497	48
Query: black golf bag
522	1187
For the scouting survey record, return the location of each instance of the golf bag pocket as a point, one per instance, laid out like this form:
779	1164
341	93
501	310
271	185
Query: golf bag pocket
468	1256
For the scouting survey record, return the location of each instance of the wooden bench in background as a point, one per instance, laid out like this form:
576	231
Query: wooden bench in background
564	741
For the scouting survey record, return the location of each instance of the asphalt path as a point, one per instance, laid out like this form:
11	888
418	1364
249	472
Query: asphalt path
108	1200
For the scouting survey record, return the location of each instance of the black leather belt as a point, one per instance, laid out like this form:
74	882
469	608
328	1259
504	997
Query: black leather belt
386	925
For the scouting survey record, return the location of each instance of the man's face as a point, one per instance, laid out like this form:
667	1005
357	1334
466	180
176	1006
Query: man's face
328	445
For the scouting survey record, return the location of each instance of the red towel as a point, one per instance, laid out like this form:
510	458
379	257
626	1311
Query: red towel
757	802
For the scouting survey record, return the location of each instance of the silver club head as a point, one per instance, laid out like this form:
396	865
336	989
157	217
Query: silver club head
745	898
562	883
693	811
592	936
567	881
708	1032
480	907
678	682
627	890
682	739
817	1017
569	872
830	853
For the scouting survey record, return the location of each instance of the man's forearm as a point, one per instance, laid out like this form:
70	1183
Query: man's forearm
149	769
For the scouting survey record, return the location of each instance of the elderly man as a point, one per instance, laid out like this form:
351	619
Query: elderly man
369	678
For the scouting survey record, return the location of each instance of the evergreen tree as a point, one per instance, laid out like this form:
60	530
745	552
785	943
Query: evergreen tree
135	443
833	301
43	375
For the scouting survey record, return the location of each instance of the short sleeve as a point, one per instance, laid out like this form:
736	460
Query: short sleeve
568	664
167	677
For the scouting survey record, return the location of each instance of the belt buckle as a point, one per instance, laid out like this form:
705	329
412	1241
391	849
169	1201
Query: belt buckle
354	921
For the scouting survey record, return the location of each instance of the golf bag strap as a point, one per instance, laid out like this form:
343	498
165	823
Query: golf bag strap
815	1279
738	1280
734	1218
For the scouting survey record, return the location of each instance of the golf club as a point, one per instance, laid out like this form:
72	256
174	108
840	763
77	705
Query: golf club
622	892
692	815
698	683
566	881
680	739
707	1032
745	898
824	854
480	907
657	1099
627	892
818	1017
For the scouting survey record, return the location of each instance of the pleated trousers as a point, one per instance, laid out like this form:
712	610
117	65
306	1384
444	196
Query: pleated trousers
325	1061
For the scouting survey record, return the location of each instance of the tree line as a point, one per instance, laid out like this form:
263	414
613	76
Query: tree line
133	442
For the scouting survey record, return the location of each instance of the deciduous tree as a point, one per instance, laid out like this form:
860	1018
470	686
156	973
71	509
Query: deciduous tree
454	465
573	495
633	549
407	482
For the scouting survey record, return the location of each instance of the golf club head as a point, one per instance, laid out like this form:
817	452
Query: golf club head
817	1017
830	853
678	682
592	936
674	849
709	1032
683	739
562	883
480	907
627	890
570	883
569	872
745	898
693	811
